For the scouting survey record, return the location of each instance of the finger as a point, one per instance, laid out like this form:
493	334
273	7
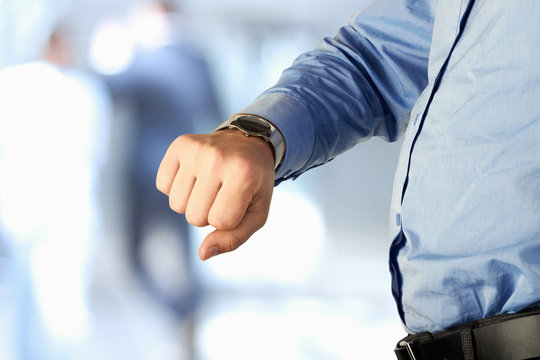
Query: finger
223	241
230	205
180	191
201	199
167	170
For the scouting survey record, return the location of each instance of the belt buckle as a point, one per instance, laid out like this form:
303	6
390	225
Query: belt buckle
407	345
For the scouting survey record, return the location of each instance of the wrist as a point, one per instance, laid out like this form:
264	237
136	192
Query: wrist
256	126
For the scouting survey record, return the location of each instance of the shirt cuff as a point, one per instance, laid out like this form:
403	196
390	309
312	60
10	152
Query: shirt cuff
294	122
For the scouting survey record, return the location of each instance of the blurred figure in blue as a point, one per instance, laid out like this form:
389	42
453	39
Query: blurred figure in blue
53	130
167	90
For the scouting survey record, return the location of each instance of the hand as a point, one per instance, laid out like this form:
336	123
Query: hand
223	179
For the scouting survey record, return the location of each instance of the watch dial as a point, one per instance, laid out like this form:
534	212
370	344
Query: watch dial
254	126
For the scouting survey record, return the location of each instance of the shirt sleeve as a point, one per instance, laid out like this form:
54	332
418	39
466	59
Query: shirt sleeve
360	83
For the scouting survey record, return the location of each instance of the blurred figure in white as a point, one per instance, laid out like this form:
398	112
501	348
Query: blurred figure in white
25	26
53	132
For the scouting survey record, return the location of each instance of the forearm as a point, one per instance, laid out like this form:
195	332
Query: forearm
362	82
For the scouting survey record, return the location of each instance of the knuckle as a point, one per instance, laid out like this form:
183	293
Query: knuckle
162	186
176	206
196	219
261	222
200	152
221	222
182	143
177	143
234	242
244	169
181	140
214	158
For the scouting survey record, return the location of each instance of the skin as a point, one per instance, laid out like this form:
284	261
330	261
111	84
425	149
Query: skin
223	179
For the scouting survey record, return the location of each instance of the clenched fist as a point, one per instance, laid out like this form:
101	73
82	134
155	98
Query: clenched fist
223	179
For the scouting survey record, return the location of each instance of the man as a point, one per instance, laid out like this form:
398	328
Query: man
168	90
64	113
458	79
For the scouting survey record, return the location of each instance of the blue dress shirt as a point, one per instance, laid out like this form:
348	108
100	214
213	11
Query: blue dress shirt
460	80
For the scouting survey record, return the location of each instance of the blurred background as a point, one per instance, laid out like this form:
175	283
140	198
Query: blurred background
93	265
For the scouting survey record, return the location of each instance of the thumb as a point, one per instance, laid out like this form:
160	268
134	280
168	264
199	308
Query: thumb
223	241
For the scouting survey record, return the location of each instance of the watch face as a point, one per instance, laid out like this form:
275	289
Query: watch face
253	125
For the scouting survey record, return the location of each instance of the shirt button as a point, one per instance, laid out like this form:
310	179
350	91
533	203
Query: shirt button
416	119
398	219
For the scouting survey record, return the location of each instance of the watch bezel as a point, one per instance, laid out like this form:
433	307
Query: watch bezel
253	126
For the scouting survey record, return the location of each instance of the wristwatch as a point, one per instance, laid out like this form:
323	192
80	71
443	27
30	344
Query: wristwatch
252	125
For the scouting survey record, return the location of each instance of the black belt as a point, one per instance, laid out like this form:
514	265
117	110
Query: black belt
502	337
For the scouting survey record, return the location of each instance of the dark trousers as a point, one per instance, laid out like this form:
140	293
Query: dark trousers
146	206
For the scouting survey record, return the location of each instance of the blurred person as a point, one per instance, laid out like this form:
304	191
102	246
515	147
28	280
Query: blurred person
459	80
167	90
25	25
53	130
